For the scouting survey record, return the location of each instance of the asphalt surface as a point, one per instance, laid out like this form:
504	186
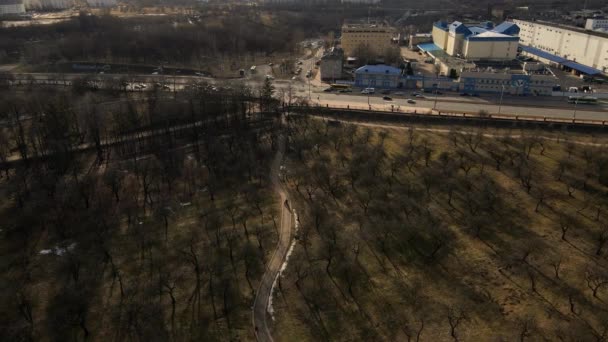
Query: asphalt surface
550	107
538	106
264	292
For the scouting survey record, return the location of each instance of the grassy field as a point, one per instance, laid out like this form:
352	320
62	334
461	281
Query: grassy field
433	235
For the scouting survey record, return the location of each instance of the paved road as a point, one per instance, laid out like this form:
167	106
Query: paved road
541	108
550	107
264	292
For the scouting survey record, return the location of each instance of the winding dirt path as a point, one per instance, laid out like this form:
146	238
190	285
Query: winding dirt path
264	292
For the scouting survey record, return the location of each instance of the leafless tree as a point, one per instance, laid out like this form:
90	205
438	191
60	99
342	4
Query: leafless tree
456	316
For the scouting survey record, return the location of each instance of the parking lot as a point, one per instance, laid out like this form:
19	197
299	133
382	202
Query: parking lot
567	80
426	69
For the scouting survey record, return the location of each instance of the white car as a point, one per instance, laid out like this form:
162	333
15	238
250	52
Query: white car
268	77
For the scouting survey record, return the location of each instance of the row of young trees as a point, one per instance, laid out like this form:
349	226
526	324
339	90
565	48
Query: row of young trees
161	234
396	227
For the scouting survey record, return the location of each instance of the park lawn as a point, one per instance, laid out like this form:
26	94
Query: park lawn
502	279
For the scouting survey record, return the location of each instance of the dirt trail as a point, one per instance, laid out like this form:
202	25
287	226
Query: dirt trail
264	291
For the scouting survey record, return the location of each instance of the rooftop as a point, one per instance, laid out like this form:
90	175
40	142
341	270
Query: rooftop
378	69
560	60
567	27
484	30
492	34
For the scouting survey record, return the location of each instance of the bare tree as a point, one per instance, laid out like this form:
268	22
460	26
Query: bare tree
456	316
596	279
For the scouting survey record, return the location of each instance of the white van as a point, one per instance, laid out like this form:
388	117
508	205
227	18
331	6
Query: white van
368	91
573	90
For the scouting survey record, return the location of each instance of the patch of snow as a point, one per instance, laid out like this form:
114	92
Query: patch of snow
270	308
185	204
59	251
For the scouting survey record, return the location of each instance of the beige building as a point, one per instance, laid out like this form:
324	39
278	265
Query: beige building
479	42
377	36
587	48
42	5
331	65
11	7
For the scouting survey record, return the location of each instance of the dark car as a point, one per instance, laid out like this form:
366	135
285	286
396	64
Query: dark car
464	94
345	91
328	90
410	101
387	98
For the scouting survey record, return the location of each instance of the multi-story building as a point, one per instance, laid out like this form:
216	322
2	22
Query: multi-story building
39	5
331	64
366	2
477	42
377	36
597	24
584	52
11	7
101	3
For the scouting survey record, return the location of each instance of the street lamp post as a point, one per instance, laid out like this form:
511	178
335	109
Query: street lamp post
309	96
435	103
502	91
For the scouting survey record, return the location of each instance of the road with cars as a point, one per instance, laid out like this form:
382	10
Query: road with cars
550	107
538	107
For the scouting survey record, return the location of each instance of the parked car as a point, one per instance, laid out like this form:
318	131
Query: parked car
385	92
415	93
328	90
464	94
387	98
410	101
345	91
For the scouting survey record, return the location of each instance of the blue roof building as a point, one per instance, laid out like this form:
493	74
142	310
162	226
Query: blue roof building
378	76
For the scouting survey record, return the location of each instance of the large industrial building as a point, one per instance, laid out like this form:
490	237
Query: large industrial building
377	36
49	5
572	48
597	24
11	7
477	42
101	3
